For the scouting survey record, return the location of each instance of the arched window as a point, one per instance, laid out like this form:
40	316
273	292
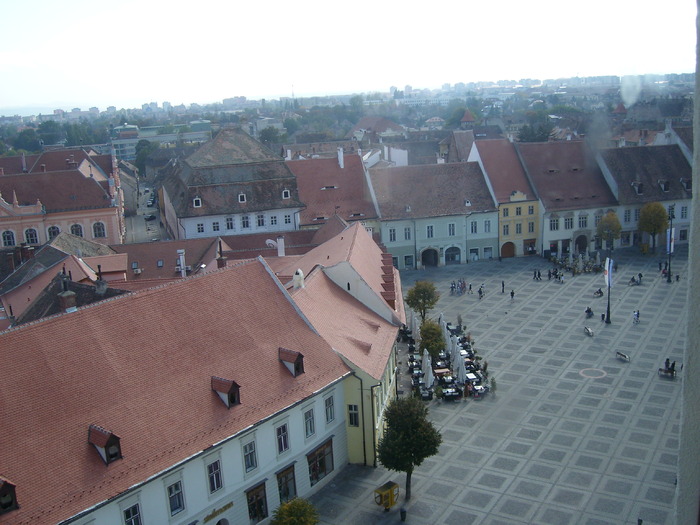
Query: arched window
8	238
77	230
98	230
31	236
53	232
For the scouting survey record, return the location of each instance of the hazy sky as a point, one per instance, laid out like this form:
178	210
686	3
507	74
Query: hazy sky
80	53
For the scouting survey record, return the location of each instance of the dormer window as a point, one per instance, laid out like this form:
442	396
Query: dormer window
197	202
106	443
286	194
8	496
241	197
638	187
330	188
294	361
663	184
228	391
687	184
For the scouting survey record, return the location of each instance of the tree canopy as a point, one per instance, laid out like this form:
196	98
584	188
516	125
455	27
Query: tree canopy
409	437
422	298
431	338
609	228
297	511
653	219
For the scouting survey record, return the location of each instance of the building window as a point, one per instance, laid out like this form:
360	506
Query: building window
487	226
282	438
451	229
197	202
98	230
229	223
200	227
8	238
245	222
261	220
683	235
392	234
31	236
175	498
288	219
286	194
53	232
273	220
214	473
569	223
408	262
286	484
684	213
518	228
215	226
132	515
553	224
597	220
531	227
518	210
249	456
320	462
407	234
505	212
473	227
506	230
627	216
257	503
354	413
583	221
77	230
530	210
241	197
429	232
309	423
330	409
160	263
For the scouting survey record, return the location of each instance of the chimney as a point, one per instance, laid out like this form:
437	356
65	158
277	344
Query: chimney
181	263
100	287
220	260
2	171
280	246
289	154
43	168
298	279
341	160
68	301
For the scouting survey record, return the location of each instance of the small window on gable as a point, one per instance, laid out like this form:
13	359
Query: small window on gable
8	496
663	184
105	442
286	194
241	197
687	184
638	187
134	265
197	202
294	361
160	263
227	390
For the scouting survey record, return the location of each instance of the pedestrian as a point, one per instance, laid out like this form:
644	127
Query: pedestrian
534	275
667	364
673	367
666	266
539	275
512	295
503	287
678	277
470	288
640	277
602	318
549	275
660	265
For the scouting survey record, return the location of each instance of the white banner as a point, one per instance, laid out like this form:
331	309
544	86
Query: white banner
670	238
607	272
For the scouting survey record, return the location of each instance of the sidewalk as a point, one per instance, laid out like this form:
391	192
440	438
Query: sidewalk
573	435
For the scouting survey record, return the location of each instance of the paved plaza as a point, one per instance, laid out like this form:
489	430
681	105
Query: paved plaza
573	435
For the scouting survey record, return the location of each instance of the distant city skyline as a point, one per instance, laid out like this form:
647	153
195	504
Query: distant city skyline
81	54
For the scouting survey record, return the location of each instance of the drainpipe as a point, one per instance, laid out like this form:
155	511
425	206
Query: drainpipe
374	427
362	412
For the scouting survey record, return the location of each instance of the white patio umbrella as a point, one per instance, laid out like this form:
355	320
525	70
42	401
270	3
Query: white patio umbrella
429	378
597	258
461	371
454	350
427	363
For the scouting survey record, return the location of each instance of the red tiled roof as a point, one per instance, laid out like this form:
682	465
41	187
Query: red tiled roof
565	175
327	189
503	169
136	363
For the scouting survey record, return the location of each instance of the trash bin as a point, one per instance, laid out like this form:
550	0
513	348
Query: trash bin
403	514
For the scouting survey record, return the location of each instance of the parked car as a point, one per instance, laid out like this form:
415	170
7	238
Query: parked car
150	217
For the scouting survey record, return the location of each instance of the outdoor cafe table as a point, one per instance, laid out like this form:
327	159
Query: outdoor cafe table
450	393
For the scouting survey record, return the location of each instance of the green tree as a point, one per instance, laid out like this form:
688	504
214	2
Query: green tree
422	298
297	511
431	338
270	135
50	132
143	149
653	219
409	437
609	228
27	140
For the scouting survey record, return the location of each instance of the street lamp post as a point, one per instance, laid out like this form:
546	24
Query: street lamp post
669	241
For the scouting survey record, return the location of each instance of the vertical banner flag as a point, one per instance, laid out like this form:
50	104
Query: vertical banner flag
669	239
607	271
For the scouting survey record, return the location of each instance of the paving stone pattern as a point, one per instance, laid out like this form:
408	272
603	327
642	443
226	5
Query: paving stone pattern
572	435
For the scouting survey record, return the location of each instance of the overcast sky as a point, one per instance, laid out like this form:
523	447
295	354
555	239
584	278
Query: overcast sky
82	53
